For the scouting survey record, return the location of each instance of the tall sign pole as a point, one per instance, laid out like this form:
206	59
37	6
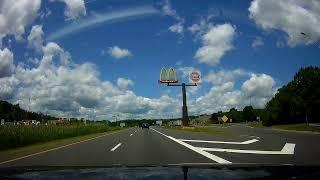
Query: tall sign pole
169	77
185	117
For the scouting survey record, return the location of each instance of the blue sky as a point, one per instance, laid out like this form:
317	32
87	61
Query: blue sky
250	52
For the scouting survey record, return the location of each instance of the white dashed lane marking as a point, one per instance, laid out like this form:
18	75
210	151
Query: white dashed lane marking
114	148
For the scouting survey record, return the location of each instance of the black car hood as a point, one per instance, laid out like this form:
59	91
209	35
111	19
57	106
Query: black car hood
164	172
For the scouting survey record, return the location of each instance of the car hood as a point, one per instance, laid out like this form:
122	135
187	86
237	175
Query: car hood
238	171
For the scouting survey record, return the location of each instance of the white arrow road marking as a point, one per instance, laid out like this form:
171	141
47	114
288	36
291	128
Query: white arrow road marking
220	142
288	148
114	148
206	154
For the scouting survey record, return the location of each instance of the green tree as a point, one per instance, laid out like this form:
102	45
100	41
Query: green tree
214	118
11	113
298	101
235	115
248	113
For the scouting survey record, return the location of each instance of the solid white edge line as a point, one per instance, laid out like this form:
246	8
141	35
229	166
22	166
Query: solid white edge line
220	142
41	152
114	148
206	154
288	149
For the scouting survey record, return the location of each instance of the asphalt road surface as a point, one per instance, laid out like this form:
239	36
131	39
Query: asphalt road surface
159	146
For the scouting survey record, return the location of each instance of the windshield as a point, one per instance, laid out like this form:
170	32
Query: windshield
105	83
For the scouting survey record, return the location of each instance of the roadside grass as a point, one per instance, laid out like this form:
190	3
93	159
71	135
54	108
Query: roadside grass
217	125
23	151
19	136
290	127
297	127
207	130
256	124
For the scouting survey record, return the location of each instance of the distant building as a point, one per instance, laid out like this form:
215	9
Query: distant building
220	120
64	119
28	122
177	123
159	123
60	120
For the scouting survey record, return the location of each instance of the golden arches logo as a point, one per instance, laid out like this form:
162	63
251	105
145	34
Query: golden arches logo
168	76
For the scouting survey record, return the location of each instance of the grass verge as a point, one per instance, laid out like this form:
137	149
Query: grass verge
256	124
207	130
19	136
224	125
23	151
297	127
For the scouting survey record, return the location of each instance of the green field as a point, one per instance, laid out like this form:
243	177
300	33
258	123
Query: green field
18	136
290	127
256	124
297	127
207	130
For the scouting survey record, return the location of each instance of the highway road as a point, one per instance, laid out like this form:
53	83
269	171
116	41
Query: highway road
160	146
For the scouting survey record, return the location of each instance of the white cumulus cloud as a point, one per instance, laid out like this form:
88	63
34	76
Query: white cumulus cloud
176	28
35	38
215	43
119	53
8	87
74	9
257	42
123	83
16	15
167	10
201	27
52	49
6	63
255	91
225	76
259	85
289	16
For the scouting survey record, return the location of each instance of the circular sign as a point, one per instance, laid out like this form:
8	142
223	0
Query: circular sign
195	76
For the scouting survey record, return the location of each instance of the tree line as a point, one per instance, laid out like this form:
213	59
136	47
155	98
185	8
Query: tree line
246	115
11	113
296	102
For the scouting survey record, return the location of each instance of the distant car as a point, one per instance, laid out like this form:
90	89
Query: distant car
145	125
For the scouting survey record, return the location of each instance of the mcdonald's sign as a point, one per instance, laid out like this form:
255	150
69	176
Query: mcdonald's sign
168	76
